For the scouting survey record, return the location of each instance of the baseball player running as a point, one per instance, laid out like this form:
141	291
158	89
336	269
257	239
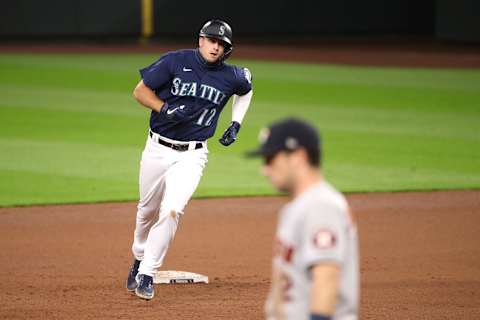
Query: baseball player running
315	264
186	91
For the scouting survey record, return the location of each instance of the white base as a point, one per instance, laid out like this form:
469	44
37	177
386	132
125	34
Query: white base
178	277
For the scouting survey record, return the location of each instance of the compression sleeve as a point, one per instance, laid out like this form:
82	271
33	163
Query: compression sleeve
240	106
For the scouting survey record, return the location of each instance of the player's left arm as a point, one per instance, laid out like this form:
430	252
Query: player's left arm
324	248
325	277
240	104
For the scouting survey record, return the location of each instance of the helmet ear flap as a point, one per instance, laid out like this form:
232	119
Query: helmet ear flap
227	52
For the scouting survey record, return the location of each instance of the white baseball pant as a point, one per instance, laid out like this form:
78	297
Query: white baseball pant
167	181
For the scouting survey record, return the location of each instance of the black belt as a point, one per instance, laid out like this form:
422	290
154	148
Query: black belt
177	147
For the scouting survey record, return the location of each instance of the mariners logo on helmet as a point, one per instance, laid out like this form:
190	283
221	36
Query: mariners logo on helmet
222	30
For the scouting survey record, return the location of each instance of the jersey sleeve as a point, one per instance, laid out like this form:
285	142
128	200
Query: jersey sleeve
325	236
159	73
243	81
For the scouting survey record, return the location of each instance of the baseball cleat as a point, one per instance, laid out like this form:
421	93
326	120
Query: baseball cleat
131	281
145	287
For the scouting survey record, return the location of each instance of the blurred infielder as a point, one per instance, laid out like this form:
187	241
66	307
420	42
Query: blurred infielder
186	91
315	264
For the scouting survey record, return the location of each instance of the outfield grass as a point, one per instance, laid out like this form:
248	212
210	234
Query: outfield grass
71	132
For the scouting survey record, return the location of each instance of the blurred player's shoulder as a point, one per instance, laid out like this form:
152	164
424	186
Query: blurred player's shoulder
330	196
323	199
326	192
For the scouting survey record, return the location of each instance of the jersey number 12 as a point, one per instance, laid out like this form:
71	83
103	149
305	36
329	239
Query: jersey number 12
206	117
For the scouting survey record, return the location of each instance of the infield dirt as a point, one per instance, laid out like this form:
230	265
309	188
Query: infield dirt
420	252
420	259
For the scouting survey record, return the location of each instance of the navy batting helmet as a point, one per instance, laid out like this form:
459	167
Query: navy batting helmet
220	30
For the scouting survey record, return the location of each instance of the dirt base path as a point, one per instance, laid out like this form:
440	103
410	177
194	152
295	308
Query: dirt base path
420	258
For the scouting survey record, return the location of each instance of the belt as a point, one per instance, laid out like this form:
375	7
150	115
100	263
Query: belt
174	146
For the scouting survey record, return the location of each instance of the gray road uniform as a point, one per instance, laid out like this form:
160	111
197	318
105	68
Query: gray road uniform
313	228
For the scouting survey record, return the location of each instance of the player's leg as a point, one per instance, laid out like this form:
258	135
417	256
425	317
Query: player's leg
152	187
181	180
154	164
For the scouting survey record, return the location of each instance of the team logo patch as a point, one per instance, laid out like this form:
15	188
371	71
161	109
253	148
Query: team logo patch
324	239
263	135
222	30
248	75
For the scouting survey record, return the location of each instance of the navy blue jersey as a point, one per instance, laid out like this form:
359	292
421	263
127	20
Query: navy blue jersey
195	91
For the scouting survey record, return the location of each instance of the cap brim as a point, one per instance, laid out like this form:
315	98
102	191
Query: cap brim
254	153
262	152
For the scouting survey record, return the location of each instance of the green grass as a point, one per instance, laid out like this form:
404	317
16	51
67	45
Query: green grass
71	132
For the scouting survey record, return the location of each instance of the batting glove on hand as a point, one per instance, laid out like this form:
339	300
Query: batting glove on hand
174	113
230	135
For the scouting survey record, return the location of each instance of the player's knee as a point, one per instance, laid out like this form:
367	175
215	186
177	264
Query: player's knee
169	214
175	215
171	209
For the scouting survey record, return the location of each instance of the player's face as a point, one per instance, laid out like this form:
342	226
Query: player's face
279	169
211	49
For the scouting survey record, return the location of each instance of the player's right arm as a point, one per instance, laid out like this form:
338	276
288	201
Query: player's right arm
154	76
147	97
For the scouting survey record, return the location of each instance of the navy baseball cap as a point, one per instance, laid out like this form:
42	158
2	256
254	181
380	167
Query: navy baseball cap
289	135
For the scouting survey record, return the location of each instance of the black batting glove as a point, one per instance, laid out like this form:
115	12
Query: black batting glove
174	113
230	135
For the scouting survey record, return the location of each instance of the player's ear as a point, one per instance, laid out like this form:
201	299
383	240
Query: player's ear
299	156
200	41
